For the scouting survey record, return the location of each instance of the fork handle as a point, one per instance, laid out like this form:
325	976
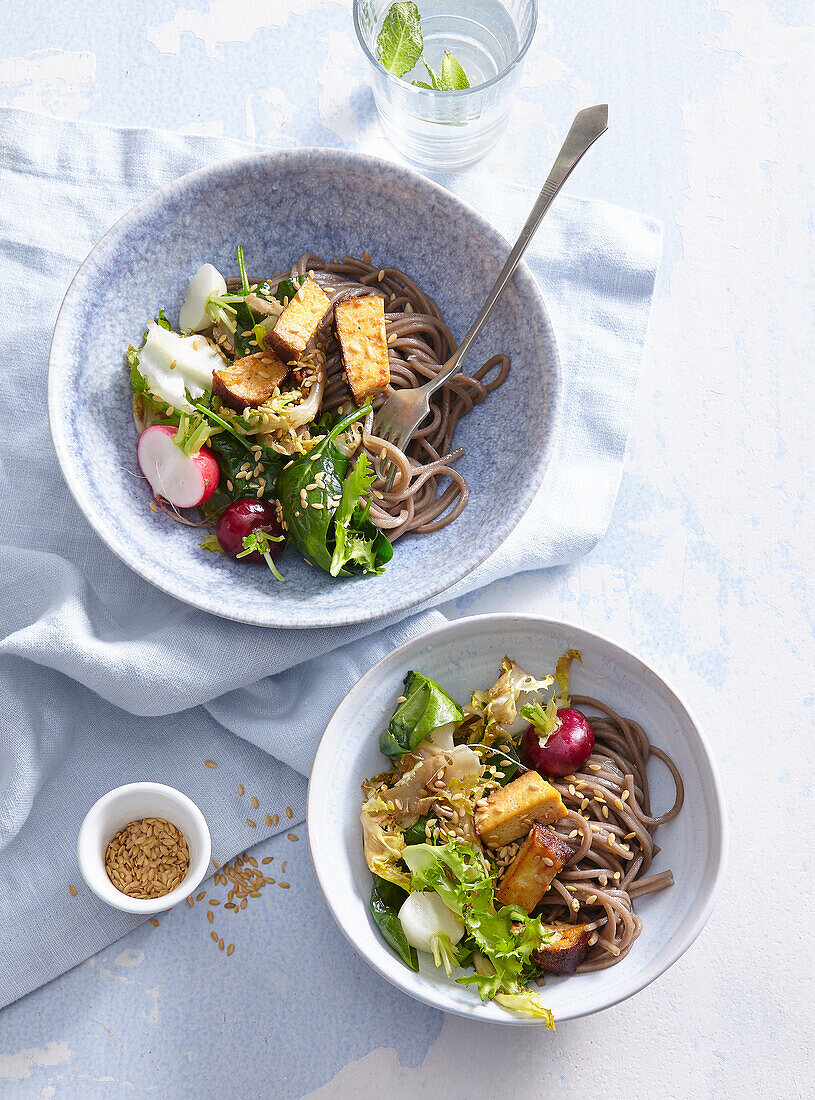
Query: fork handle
587	127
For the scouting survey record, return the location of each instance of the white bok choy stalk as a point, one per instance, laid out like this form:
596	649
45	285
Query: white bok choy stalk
430	926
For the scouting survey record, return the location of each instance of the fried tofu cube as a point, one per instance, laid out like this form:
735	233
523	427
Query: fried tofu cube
299	321
249	381
565	950
360	327
511	811
539	859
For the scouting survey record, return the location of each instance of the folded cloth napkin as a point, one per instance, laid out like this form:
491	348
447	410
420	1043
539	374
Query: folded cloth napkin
103	678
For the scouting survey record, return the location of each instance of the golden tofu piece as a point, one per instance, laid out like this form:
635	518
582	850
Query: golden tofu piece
566	949
539	859
249	381
360	327
298	322
511	811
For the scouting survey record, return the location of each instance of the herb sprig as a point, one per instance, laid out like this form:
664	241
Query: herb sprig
400	46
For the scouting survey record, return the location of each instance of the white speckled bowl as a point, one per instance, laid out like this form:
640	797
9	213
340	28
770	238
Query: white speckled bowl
465	655
280	205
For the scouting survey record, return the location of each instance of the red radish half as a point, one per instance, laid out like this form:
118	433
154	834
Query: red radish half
182	480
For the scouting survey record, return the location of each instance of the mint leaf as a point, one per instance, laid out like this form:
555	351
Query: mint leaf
435	80
400	43
453	77
423	84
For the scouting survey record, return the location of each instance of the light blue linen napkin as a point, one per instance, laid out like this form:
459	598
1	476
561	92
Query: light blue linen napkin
104	679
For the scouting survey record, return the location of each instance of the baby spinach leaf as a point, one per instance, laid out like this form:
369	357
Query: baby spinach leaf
308	490
426	707
400	43
386	901
415	833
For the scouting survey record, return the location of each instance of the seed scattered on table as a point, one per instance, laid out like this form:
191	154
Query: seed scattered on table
210	916
284	885
201	896
267	859
240	789
252	824
289	812
214	936
210	764
154	922
72	891
291	836
275	819
148	858
190	902
221	944
255	802
268	819
230	949
283	866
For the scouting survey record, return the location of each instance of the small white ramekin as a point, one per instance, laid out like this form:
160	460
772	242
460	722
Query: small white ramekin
129	803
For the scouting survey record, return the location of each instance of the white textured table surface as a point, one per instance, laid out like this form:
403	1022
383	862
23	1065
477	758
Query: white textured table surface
705	571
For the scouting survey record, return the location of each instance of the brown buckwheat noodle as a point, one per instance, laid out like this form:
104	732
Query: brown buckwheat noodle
614	830
427	492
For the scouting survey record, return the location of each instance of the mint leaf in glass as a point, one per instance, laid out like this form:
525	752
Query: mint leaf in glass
400	43
453	77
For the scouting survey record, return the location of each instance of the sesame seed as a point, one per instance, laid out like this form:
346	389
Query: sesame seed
594	767
72	890
240	789
210	764
250	823
289	812
255	802
591	899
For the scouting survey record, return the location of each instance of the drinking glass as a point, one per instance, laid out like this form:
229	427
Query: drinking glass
447	131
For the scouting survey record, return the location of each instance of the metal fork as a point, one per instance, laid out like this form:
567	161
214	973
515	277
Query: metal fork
403	412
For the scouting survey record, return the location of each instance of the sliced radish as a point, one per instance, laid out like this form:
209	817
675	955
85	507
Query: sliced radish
182	480
206	282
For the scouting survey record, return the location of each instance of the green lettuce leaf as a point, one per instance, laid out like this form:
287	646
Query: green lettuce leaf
505	936
426	707
357	540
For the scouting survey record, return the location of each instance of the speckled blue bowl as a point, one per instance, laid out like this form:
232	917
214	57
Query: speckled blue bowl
280	205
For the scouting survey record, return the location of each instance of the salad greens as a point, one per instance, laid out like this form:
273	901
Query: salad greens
426	707
400	46
283	449
421	832
505	936
386	901
544	716
323	510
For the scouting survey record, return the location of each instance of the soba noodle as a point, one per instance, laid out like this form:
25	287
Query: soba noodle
610	818
427	492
